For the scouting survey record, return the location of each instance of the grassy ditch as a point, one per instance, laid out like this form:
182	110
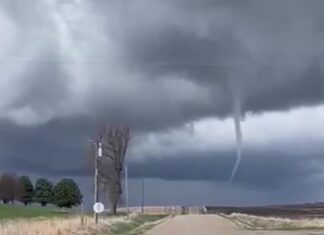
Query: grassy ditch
136	225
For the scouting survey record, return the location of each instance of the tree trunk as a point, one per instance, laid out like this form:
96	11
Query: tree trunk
114	209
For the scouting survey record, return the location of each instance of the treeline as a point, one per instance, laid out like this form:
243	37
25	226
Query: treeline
65	193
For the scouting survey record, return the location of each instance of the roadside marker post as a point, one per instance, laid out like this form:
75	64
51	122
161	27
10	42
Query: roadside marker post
98	208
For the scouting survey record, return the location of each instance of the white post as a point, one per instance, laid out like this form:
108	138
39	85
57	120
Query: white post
96	183
98	154
126	189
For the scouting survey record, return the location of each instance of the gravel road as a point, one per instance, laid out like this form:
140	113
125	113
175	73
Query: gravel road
211	225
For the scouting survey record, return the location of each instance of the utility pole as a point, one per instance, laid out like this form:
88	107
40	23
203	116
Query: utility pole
126	189
98	154
143	191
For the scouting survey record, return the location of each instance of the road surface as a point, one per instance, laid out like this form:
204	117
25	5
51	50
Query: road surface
210	225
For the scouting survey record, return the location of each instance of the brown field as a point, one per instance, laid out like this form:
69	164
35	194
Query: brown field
302	211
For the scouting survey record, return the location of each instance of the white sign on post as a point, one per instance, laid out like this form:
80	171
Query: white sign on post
98	207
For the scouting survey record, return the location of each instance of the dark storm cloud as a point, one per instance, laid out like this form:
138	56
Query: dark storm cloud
57	148
265	170
178	51
47	87
61	147
306	90
267	54
280	67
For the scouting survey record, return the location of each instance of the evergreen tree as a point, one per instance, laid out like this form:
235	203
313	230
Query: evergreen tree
67	194
43	191
25	190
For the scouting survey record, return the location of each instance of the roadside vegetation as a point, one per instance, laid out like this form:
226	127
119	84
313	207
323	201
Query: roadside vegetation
50	226
137	225
112	225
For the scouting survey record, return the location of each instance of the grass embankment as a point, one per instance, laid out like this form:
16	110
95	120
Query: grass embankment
16	212
136	225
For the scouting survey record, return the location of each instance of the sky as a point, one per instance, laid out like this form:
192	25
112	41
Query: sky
176	71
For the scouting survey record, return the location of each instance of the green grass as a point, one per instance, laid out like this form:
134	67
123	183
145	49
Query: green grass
14	212
136	226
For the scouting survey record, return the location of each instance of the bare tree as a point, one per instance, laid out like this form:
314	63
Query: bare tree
115	140
8	183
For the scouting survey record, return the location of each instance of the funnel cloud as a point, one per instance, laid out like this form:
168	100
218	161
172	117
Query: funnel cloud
239	137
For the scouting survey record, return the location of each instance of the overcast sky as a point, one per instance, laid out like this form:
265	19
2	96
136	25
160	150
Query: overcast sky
174	70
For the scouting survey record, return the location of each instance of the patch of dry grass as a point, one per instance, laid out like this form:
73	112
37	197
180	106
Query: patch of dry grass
56	226
137	224
272	223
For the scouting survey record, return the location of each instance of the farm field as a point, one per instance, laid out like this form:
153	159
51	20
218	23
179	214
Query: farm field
19	211
308	211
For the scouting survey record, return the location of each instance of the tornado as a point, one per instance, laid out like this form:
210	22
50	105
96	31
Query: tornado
238	132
